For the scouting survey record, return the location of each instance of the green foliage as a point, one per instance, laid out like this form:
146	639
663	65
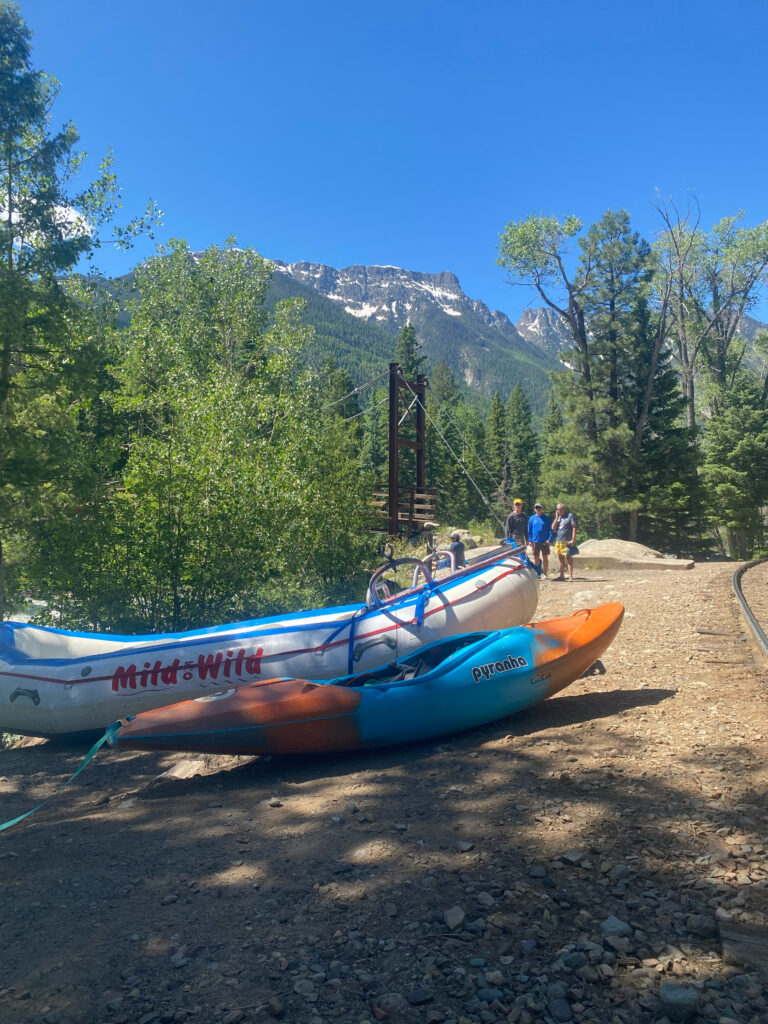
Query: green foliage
523	449
735	466
232	503
407	353
50	360
706	281
531	250
361	348
496	455
621	435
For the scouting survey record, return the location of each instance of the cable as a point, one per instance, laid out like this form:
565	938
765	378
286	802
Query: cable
355	391
453	453
367	409
491	477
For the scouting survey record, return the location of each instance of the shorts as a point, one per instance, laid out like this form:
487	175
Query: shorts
538	548
561	548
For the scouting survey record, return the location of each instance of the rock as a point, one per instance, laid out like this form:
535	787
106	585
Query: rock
679	1002
494	978
587	973
453	917
419	996
556	990
485	899
391	1002
232	1017
434	1016
275	1007
559	1010
612	925
572	961
464	847
275	801
619	872
490	995
573	857
702	926
305	987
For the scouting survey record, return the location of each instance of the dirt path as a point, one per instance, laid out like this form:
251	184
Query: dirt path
572	863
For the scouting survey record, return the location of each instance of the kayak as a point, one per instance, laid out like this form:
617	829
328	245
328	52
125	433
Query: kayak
452	684
55	681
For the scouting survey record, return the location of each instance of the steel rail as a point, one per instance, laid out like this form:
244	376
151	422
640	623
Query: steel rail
756	629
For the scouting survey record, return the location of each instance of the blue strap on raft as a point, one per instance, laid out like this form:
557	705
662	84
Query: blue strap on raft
86	760
521	554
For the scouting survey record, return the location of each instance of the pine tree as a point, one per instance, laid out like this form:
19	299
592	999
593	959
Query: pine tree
735	466
374	444
407	353
497	456
552	446
523	446
45	229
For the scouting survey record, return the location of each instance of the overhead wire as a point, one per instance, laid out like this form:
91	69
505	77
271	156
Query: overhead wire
356	390
365	410
464	438
417	400
468	475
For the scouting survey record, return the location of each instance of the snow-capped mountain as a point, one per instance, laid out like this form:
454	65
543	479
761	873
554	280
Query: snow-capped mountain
481	346
392	296
545	328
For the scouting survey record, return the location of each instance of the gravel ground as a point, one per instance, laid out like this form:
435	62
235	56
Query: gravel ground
579	862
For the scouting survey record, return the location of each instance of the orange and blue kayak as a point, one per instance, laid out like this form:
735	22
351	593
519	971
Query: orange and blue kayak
452	684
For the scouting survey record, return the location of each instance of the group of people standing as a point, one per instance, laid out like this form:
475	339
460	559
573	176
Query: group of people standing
540	531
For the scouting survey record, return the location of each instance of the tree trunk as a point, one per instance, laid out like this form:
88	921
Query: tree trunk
633	524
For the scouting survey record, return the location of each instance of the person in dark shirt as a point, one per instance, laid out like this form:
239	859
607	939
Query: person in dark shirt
516	526
457	550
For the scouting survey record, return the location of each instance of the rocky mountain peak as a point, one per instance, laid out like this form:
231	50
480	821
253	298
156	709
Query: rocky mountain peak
544	328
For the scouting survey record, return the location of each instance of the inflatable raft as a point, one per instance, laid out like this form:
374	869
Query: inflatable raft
452	684
54	681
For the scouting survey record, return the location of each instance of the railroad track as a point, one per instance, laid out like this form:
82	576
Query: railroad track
750	584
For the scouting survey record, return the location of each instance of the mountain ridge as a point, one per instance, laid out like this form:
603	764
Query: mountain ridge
482	347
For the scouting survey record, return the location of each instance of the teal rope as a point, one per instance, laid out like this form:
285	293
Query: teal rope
88	758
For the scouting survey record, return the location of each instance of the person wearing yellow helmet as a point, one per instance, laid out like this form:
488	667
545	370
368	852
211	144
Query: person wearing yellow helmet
516	526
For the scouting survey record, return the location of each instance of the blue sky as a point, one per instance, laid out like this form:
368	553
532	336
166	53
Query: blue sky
409	133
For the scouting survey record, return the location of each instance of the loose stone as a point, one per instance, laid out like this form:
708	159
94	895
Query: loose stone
679	1002
453	917
613	925
559	1010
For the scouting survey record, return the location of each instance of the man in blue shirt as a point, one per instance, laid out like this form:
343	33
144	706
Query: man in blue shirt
539	535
